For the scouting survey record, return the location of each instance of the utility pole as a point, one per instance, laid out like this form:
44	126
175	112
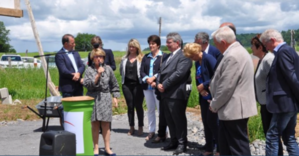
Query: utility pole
292	39
160	24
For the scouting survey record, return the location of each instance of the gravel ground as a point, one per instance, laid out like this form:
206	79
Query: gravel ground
23	138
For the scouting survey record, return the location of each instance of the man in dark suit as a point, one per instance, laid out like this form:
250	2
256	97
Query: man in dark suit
96	42
282	93
172	83
202	38
70	68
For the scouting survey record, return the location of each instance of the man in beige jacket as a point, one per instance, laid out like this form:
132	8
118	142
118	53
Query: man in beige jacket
232	89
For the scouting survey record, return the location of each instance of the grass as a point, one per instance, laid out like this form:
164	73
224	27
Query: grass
255	126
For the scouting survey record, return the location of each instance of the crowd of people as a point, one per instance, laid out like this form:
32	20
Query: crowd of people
227	83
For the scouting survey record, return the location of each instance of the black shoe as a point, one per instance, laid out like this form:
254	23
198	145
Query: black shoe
180	149
202	148
170	146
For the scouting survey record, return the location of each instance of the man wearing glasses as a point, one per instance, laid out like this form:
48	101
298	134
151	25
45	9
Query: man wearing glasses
172	83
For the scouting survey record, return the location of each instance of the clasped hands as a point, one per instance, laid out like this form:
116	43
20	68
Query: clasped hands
76	76
151	81
202	91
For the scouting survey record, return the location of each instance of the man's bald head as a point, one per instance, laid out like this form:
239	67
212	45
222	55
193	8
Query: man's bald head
229	24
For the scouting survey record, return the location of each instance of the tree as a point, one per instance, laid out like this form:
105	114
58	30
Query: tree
4	40
83	41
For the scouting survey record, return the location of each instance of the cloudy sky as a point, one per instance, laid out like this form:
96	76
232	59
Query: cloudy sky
117	21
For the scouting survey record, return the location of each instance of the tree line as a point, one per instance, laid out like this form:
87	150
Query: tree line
83	40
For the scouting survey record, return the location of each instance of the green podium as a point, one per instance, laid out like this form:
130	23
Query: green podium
77	119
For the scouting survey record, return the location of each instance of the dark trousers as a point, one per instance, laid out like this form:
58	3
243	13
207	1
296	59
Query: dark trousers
134	98
162	122
210	123
266	120
175	115
233	139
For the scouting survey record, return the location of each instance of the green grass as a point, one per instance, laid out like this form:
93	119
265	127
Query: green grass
255	126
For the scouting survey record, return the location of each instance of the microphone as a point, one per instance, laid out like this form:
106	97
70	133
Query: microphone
101	65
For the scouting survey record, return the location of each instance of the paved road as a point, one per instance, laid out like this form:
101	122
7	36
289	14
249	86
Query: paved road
23	138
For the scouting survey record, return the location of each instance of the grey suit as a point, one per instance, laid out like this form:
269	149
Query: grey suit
232	86
174	76
261	77
232	89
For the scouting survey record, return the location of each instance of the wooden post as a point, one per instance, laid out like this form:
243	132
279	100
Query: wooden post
50	84
9	62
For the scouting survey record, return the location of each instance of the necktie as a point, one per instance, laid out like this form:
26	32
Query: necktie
169	58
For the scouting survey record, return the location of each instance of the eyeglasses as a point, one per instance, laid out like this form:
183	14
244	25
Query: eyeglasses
99	56
263	46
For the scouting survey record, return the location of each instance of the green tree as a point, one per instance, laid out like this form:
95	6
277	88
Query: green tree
83	41
4	40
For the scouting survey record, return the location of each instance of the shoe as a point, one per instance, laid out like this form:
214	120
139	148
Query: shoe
140	131
180	149
113	154
131	131
159	139
170	146
202	147
150	136
207	153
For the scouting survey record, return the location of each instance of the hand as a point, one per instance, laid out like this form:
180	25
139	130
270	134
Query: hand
153	84
160	88
76	76
200	88
204	93
115	101
211	109
100	70
150	80
81	81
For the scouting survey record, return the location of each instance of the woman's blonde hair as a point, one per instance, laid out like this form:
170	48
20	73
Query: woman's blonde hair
97	51
192	49
133	42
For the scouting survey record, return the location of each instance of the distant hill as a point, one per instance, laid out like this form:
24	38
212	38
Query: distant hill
246	38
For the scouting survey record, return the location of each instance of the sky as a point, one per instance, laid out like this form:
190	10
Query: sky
117	21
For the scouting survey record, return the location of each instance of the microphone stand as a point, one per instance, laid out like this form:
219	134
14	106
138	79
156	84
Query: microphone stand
45	127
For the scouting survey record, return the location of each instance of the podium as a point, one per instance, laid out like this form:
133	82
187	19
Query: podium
77	120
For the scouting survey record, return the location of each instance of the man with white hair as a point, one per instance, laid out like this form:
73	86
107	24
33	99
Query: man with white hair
282	93
232	89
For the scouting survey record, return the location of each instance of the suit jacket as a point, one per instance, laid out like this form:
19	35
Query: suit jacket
214	51
145	66
174	77
260	78
283	81
207	69
65	69
232	86
122	69
109	59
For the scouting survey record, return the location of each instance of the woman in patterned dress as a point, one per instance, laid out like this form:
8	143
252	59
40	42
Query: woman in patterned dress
100	82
